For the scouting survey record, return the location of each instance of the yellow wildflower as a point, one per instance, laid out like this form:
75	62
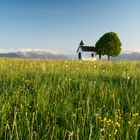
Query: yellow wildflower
117	124
135	114
115	132
137	125
109	122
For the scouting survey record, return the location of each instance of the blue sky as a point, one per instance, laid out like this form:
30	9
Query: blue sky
61	24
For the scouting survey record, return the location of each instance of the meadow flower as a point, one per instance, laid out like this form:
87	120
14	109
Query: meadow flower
102	129
129	122
95	66
115	132
117	124
109	122
135	114
137	125
104	120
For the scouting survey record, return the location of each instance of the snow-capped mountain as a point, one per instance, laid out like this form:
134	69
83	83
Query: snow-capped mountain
128	56
29	53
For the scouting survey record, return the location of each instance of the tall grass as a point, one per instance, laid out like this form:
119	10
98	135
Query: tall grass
69	100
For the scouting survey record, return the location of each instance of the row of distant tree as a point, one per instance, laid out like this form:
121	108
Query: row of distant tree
109	44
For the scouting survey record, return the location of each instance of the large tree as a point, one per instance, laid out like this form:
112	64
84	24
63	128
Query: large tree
109	44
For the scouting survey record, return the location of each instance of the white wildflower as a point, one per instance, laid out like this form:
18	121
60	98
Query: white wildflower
102	129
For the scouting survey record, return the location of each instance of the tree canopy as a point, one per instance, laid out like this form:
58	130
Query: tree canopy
109	44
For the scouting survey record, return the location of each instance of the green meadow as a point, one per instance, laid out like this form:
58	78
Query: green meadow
69	100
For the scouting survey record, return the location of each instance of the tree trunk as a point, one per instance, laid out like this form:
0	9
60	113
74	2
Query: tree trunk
100	56
108	58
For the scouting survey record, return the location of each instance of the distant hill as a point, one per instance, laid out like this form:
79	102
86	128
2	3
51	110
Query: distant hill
127	56
33	54
11	54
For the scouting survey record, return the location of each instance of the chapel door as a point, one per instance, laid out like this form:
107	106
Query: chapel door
79	55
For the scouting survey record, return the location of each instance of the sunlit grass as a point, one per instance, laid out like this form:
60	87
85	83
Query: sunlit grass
61	99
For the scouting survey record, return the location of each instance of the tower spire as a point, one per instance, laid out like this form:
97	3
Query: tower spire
81	43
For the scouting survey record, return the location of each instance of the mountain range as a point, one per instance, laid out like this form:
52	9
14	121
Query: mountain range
127	56
33	54
59	55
